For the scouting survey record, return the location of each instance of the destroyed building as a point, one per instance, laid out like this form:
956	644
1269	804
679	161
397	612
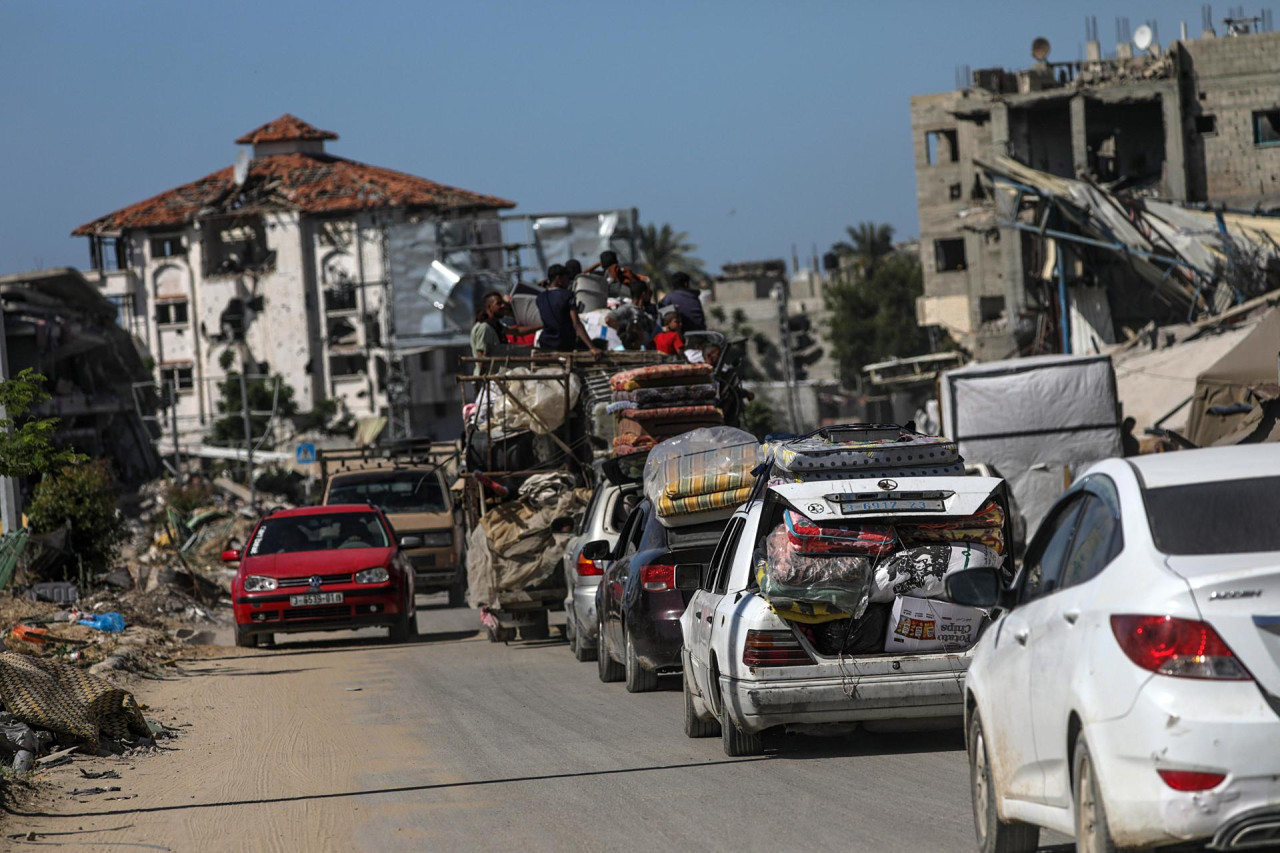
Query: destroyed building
1040	192
59	325
280	261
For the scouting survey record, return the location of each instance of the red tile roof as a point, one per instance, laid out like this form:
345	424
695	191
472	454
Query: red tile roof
285	128
310	183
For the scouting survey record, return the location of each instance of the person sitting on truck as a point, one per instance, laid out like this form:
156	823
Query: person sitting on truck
488	331
685	298
562	329
616	273
669	340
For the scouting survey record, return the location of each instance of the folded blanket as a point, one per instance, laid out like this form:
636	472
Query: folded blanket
692	485
673	413
674	395
656	375
701	503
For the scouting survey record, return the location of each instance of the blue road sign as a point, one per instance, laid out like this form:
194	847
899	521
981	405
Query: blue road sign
306	454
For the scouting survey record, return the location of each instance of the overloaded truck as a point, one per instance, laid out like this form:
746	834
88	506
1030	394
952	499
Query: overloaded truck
538	421
411	484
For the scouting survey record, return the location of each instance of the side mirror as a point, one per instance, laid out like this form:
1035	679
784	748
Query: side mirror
410	541
688	576
974	587
597	549
230	556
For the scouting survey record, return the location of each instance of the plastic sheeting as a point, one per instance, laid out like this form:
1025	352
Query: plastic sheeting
544	398
701	462
1039	421
842	582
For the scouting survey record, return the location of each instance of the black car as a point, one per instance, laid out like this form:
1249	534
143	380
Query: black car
638	607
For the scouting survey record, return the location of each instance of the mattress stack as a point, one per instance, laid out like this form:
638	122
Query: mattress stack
661	401
701	476
840	454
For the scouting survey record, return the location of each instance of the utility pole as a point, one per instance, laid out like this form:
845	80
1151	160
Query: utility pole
788	364
173	427
9	516
248	431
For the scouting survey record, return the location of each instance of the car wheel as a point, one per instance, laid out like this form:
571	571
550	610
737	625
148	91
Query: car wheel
245	640
735	741
458	594
994	835
581	650
539	630
1093	834
693	726
639	679
606	667
399	632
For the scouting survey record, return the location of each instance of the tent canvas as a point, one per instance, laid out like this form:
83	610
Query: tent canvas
1253	362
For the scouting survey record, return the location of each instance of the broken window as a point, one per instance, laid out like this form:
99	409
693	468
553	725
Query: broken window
341	332
109	253
167	247
990	308
942	146
1266	127
341	297
180	376
949	254
171	313
956	192
346	364
235	245
1206	125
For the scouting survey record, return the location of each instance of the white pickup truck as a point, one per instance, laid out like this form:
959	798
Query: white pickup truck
747	670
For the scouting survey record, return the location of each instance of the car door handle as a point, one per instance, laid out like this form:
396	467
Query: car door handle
1071	616
1021	636
697	614
710	616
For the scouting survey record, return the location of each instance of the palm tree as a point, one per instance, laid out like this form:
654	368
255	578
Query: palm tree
665	250
868	243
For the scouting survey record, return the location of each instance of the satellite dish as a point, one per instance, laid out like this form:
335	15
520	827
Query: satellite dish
241	170
1143	37
1040	49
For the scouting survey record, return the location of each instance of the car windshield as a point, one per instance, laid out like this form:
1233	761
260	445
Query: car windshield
401	492
1228	517
292	534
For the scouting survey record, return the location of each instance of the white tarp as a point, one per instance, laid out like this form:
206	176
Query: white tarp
1039	421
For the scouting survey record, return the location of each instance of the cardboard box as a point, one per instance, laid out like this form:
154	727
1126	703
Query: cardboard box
929	625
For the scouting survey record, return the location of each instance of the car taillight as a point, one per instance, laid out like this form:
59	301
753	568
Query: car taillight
1183	648
588	567
657	578
774	648
1191	780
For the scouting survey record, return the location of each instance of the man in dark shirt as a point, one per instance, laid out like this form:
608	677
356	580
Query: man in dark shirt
685	299
561	327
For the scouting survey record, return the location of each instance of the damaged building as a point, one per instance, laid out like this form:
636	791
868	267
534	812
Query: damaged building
1067	206
59	325
278	262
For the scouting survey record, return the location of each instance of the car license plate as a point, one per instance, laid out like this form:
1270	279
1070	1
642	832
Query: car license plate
892	505
315	598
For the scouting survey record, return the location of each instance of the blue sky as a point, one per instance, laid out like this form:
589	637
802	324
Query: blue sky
751	125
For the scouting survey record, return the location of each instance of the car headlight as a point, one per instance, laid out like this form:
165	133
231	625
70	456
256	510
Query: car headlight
439	539
378	575
258	583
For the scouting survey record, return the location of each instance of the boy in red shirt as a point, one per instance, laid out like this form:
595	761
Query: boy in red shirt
669	340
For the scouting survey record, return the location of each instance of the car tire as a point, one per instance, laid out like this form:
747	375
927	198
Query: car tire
1093	833
693	726
399	632
735	741
458	594
994	835
539	630
639	679
245	640
581	650
606	667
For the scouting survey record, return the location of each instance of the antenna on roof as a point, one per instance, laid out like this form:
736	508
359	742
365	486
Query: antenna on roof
241	170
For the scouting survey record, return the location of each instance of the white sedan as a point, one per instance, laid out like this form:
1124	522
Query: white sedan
1131	694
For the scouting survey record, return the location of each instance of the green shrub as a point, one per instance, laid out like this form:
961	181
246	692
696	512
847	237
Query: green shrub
82	498
187	499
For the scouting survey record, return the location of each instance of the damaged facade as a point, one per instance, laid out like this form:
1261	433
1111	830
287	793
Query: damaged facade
58	324
1197	123
279	260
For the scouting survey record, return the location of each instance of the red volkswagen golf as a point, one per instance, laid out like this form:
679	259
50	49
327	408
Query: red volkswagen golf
323	568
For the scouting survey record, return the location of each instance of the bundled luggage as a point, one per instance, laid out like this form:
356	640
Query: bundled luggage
660	401
864	451
701	475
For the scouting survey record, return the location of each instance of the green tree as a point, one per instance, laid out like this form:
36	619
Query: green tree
758	418
81	498
663	250
263	396
874	318
869	244
26	443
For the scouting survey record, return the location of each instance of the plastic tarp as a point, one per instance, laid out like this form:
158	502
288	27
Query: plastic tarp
513	547
1039	421
1252	362
519	403
703	469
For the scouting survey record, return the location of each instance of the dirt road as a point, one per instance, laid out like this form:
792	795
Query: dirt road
454	743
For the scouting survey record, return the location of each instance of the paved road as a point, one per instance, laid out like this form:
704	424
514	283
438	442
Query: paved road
335	742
